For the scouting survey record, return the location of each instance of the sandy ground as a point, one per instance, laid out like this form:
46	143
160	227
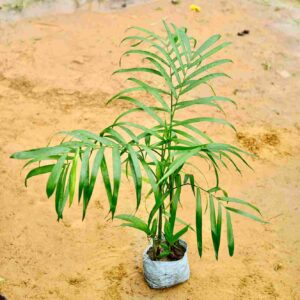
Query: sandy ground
55	74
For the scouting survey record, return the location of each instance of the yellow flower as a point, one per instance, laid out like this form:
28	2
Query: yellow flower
195	8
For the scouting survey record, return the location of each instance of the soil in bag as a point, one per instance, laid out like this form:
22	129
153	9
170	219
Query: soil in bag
176	253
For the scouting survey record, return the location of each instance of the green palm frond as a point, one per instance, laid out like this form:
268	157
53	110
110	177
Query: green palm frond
158	153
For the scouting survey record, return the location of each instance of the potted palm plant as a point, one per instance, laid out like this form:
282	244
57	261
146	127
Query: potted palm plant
157	154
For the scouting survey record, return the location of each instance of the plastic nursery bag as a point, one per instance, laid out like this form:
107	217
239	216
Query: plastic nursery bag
163	274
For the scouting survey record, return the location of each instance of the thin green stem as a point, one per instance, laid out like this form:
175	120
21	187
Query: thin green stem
160	225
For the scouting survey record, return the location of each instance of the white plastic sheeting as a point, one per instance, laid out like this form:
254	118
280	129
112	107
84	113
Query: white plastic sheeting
164	274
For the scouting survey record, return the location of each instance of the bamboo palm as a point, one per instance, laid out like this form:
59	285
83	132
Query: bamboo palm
156	155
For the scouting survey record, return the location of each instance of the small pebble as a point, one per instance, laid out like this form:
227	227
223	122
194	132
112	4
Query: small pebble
244	32
277	267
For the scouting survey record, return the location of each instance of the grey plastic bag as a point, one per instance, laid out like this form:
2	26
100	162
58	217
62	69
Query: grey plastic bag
163	274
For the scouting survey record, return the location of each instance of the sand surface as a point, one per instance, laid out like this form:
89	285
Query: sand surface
55	75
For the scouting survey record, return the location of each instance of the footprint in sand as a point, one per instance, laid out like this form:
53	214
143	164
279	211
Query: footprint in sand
114	276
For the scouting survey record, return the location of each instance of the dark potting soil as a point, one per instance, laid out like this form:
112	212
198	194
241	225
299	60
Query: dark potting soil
177	252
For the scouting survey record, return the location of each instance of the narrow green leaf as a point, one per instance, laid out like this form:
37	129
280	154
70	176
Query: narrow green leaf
66	194
150	33
139	39
173	44
41	152
192	84
184	41
60	194
199	132
44	158
245	214
106	180
203	101
192	182
127	112
179	220
207	67
203	119
55	175
38	171
219	227
144	107
241	158
181	43
214	189
199	221
144	53
159	200
240	201
168	232
215	167
232	161
178	162
147	70
164	253
72	178
89	137
186	135
142	128
207	44
156	93
215	50
116	136
130	134
124	92
180	233
137	175
213	224
150	153
116	177
164	74
152	180
134	222
84	172
170	62
192	103
230	238
89	188
175	200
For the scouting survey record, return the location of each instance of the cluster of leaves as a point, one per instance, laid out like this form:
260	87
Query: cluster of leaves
157	154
